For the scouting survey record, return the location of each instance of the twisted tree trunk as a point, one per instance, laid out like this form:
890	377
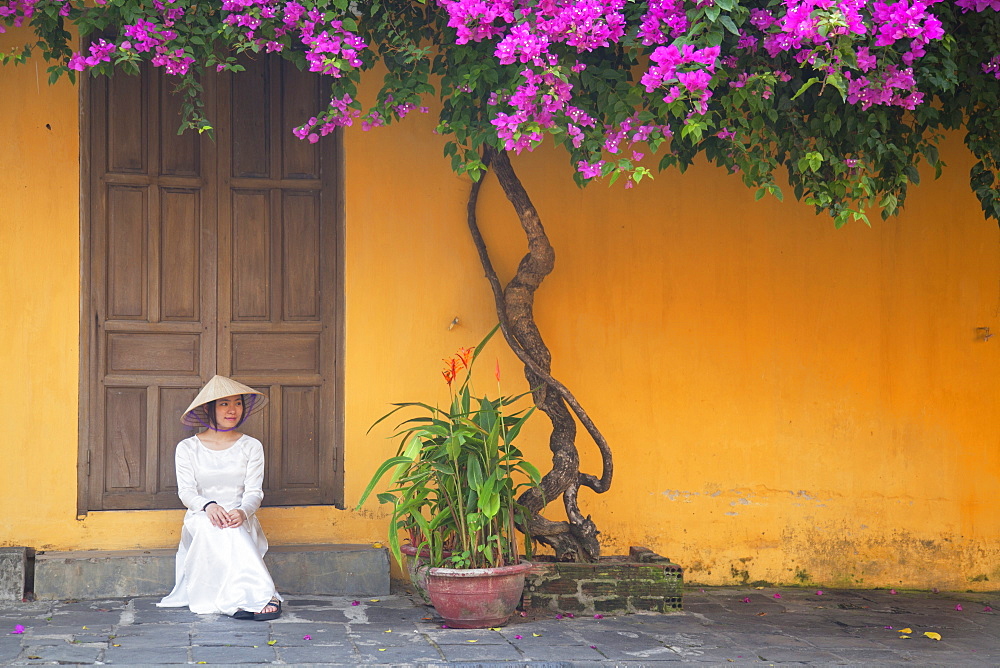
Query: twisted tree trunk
577	538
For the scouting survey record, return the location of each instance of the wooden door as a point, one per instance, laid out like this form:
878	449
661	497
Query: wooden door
205	257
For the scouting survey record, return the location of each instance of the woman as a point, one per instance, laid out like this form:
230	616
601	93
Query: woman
220	561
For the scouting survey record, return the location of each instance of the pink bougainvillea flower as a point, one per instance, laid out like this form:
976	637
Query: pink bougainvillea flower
819	592
777	596
18	629
887	628
892	591
746	599
355	602
593	647
518	637
307	637
958	607
444	626
570	615
558	616
987	609
598	616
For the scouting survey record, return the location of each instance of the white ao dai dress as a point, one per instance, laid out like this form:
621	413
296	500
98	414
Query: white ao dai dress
220	570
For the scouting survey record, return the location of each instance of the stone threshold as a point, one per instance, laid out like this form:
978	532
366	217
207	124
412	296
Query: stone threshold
327	569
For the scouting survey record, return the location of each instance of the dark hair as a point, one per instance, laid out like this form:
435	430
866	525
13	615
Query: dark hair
210	413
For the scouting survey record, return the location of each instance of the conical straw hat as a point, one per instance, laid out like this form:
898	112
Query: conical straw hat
196	414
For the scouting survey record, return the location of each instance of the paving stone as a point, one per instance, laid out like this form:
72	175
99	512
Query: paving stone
307	627
307	654
556	653
387	639
765	640
415	654
148	636
714	655
145	655
322	615
224	638
161	615
796	654
464	636
10	647
477	652
869	657
64	653
326	640
842	641
217	655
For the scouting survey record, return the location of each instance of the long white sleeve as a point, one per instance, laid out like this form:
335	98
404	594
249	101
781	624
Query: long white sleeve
253	492
187	484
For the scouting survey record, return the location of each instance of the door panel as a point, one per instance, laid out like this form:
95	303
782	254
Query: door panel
278	258
207	257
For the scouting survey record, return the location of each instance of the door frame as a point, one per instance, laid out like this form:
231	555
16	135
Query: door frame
89	188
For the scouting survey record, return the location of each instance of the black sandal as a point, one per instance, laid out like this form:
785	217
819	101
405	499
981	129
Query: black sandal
242	614
265	616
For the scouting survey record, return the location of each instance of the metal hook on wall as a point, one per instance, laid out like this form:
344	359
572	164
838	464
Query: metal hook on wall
983	334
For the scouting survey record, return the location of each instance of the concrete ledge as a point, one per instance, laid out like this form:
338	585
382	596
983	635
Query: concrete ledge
13	572
333	570
336	570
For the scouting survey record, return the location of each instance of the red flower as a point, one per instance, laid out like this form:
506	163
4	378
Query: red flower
450	370
464	357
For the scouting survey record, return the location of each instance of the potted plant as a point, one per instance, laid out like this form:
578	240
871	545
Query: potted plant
453	486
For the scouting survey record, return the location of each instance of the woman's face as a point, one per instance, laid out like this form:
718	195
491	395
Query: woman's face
228	411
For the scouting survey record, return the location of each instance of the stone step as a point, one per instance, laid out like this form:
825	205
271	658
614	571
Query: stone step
333	570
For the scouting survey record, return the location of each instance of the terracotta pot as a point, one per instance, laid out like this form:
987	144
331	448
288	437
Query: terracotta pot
416	567
476	598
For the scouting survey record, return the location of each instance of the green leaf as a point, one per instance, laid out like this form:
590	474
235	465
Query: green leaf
806	86
729	25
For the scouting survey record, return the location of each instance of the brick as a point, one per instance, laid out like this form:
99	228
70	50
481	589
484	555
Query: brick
609	586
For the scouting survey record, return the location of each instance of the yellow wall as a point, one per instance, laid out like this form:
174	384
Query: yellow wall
786	402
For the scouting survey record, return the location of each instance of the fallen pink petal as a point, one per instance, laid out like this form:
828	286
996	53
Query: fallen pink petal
888	628
959	607
892	591
777	595
593	647
819	592
570	615
355	602
746	599
987	609
18	629
558	616
598	616
307	637
518	637
444	626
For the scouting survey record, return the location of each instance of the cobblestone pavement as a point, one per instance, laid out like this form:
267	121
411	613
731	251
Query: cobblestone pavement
720	626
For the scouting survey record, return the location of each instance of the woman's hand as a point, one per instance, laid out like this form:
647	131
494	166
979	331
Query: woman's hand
236	518
218	516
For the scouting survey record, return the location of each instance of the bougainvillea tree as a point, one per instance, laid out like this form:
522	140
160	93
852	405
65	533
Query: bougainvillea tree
841	99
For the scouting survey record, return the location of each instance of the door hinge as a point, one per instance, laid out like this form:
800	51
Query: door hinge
88	463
